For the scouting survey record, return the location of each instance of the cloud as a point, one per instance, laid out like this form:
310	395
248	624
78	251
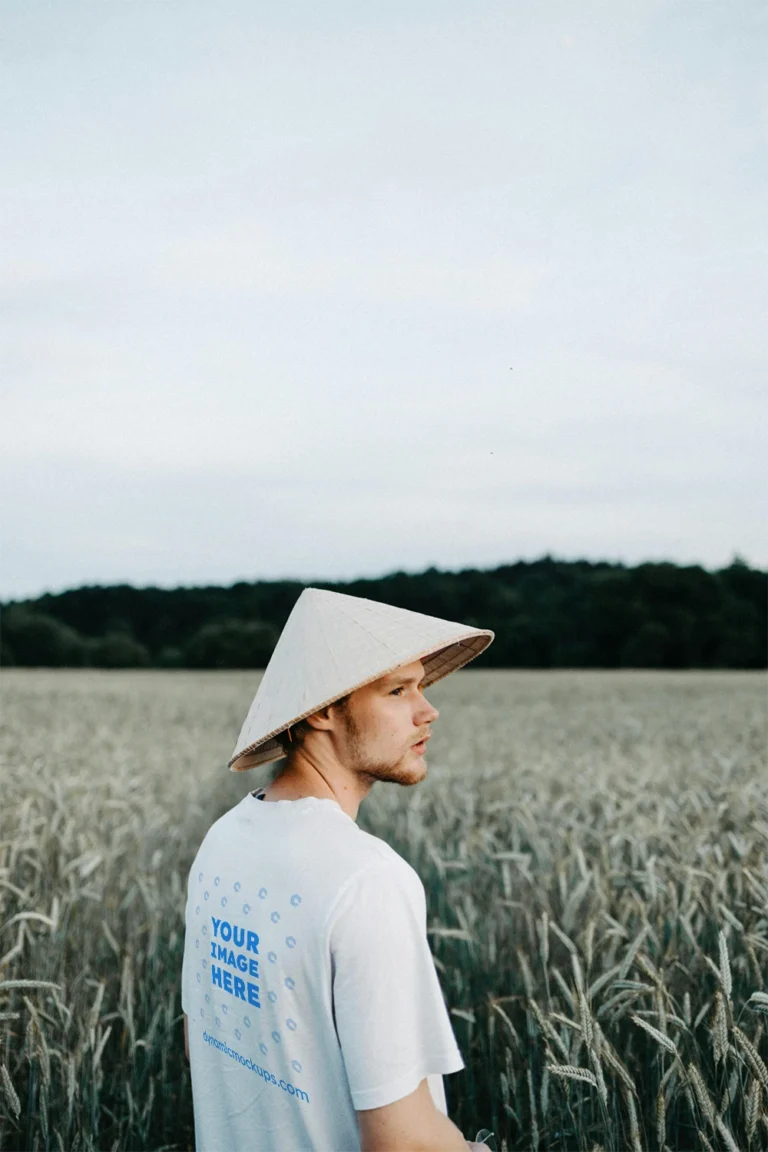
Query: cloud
348	288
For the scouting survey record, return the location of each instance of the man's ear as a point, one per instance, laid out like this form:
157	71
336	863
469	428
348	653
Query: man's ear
324	719
321	719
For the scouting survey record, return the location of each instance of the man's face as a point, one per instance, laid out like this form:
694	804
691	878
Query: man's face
381	725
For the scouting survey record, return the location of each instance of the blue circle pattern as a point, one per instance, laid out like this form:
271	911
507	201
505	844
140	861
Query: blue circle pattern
295	1065
205	929
289	982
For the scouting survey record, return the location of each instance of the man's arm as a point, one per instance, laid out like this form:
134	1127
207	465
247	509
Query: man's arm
186	1037
412	1124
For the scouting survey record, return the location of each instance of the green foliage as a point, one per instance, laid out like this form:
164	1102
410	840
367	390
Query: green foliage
118	650
37	640
647	647
546	614
7	658
230	644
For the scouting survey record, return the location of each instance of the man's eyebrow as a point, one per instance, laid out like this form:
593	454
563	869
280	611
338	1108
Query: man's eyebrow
394	678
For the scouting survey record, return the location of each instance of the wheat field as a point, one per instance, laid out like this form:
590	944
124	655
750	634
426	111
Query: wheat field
594	847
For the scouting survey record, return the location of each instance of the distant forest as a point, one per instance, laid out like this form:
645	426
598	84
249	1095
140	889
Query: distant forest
546	614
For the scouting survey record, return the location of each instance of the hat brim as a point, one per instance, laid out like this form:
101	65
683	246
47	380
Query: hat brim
439	662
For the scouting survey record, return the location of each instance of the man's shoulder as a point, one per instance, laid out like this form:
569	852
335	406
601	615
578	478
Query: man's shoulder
218	835
379	865
379	852
226	818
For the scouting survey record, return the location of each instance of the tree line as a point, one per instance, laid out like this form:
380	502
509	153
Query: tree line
546	613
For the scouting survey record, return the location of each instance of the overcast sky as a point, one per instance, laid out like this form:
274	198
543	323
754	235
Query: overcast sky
326	290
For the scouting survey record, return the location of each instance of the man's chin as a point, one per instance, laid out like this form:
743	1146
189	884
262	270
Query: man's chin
409	771
414	771
413	779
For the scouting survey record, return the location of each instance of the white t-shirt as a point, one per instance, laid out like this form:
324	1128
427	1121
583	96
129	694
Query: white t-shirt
307	980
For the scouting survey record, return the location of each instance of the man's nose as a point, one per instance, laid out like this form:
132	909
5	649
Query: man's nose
431	713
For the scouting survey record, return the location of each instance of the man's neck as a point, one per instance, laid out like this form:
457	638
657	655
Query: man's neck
300	779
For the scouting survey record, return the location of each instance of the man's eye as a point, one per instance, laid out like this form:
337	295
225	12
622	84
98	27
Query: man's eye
396	690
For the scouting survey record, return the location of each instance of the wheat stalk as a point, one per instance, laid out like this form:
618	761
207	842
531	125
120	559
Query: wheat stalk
10	985
719	1029
758	1002
9	1091
702	1095
661	1119
563	938
544	940
98	863
726	1135
602	1087
634	1129
752	1055
659	1037
586	1020
752	1108
725	965
571	1072
544	1093
532	1104
614	1063
589	942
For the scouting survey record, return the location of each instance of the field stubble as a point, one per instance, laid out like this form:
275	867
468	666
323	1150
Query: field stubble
594	848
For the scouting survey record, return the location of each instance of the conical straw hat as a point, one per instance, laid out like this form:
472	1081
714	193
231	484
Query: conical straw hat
333	644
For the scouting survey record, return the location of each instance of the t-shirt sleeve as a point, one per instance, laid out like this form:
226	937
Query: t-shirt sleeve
391	1019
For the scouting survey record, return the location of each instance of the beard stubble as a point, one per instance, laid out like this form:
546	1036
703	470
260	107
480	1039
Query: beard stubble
393	771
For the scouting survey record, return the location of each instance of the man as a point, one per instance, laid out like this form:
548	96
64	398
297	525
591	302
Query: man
313	1015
